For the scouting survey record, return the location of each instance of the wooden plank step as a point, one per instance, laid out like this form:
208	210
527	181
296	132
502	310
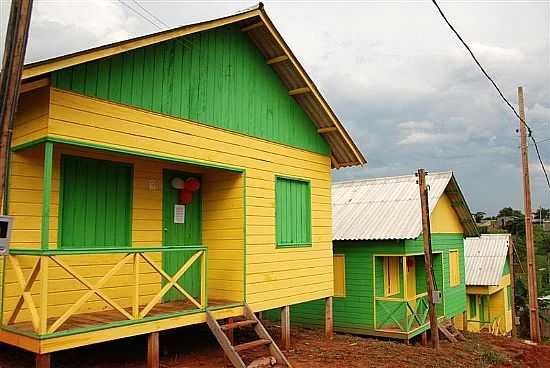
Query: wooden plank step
252	344
238	324
447	334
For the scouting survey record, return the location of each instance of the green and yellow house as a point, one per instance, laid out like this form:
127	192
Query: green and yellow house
488	284
379	275
155	179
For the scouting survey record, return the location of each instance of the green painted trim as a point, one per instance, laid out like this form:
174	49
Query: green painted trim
127	152
105	326
5	206
46	194
245	256
2	291
75	251
29	144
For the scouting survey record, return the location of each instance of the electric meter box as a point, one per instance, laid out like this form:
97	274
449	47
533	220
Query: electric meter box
5	234
437	297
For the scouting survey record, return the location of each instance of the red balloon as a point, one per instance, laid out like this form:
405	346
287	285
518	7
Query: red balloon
192	184
186	196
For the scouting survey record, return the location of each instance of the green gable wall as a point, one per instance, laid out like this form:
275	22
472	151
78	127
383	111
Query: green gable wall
355	312
215	77
506	268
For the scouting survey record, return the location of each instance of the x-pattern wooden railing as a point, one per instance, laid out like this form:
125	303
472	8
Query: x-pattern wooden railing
403	313
39	315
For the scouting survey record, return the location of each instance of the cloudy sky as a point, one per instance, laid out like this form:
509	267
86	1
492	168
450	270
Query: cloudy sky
398	79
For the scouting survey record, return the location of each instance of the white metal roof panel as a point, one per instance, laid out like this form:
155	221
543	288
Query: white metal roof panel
484	258
382	208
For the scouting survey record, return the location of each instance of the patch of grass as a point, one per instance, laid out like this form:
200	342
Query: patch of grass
492	357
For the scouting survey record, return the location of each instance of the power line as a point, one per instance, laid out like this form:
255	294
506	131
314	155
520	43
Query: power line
182	40
140	15
151	14
530	132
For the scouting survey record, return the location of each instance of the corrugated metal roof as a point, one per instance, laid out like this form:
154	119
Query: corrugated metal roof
389	208
484	258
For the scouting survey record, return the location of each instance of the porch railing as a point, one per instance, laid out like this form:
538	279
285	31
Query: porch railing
42	283
404	315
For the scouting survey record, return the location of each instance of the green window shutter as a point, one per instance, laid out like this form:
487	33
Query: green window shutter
95	203
473	306
293	212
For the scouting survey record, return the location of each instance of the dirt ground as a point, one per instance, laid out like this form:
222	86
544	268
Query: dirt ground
195	347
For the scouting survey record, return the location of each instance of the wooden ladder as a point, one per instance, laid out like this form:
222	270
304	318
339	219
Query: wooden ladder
232	351
448	329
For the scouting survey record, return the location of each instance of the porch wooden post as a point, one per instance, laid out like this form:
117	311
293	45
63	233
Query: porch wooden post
153	358
329	326
285	327
465	321
43	360
46	194
424	338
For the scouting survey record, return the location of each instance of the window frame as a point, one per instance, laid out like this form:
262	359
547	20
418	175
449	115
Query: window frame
309	241
388	276
472	305
344	289
454	281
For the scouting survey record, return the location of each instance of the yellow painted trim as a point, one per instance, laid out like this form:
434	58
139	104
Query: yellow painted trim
73	341
29	86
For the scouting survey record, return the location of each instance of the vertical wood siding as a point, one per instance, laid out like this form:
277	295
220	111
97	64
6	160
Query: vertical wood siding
216	77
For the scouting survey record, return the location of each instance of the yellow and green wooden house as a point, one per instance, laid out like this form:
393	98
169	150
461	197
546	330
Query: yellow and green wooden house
379	275
155	179
488	284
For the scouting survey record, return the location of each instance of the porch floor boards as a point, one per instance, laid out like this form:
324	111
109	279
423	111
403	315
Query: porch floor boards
86	320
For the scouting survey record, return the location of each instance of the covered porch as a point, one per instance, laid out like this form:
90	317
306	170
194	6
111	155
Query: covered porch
400	296
103	248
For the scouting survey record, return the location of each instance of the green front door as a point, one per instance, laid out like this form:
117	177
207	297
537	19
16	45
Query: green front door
182	235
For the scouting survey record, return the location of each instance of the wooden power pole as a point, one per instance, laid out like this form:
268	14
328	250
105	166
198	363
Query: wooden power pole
10	79
531	269
426	234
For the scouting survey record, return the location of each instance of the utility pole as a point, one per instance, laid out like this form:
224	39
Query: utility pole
426	234
512	285
10	79
529	243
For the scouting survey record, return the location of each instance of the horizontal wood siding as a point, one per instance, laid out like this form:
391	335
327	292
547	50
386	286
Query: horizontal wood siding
270	271
31	118
355	311
223	233
217	77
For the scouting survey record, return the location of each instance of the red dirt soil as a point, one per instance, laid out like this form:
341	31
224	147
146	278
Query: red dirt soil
195	347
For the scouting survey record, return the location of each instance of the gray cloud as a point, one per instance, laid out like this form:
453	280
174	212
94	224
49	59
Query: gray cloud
399	80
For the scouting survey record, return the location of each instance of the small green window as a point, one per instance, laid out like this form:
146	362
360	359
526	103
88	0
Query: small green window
473	306
293	212
509	293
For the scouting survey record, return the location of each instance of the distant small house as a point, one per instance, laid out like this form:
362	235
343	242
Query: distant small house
488	283
379	277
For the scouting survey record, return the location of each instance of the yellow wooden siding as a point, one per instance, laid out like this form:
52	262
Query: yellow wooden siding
444	218
225	251
454	268
31	119
270	271
339	275
391	276
223	233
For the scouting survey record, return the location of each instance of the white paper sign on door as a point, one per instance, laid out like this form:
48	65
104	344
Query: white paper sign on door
179	214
